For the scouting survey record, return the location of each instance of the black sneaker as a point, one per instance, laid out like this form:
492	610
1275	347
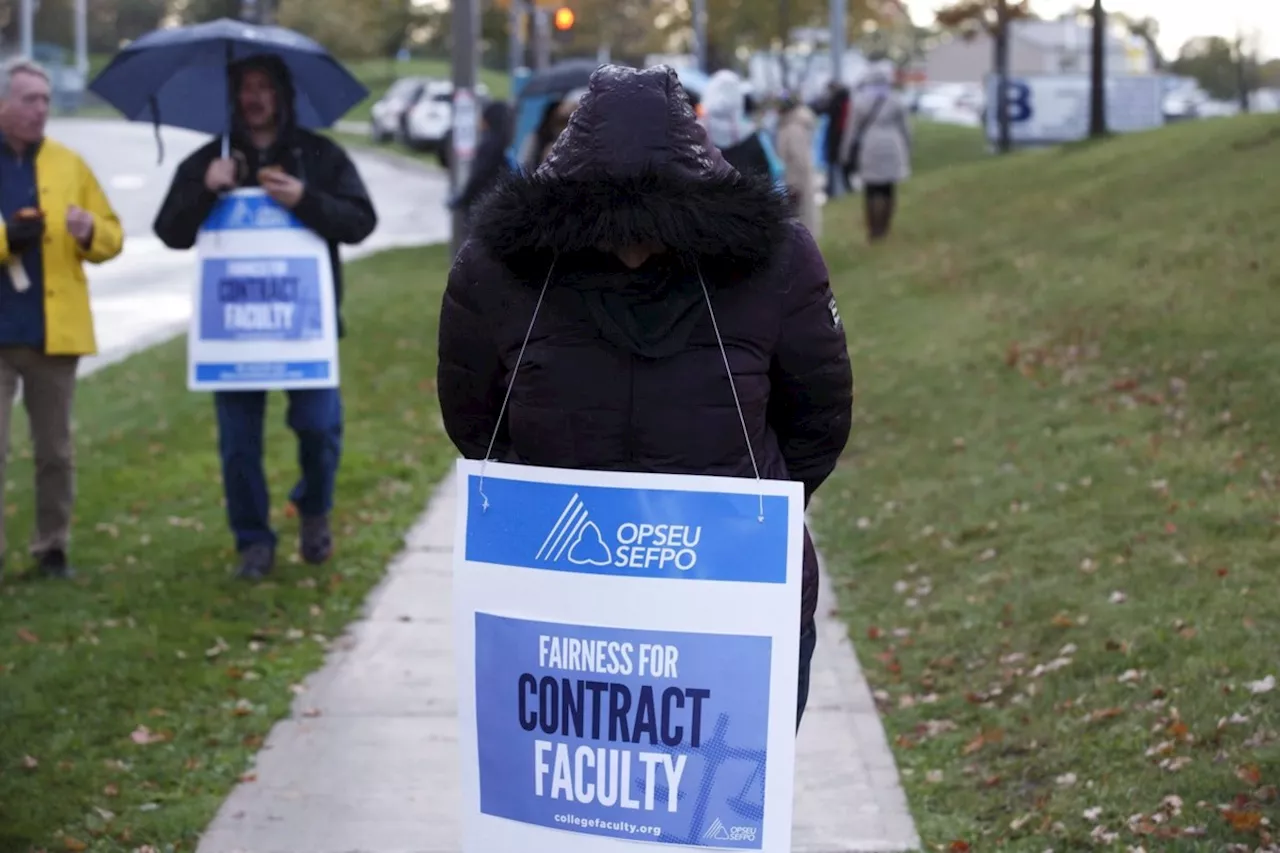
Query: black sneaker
53	564
315	542
256	562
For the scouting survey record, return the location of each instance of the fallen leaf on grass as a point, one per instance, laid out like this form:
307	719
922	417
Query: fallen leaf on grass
74	844
27	637
1250	774
311	712
1266	685
29	762
111	791
143	736
959	847
1243	821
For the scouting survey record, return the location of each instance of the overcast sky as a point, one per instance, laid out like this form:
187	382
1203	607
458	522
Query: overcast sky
1179	19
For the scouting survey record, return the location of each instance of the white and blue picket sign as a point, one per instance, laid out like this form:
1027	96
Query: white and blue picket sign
627	659
264	314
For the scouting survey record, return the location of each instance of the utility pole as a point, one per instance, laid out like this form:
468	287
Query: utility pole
27	25
839	28
1098	73
515	37
1005	140
466	34
541	39
82	37
836	45
700	34
1242	73
784	32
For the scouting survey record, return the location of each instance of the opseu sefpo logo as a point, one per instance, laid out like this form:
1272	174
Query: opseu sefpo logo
577	539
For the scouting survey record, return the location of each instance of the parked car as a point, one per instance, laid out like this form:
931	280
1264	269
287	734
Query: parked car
429	122
387	118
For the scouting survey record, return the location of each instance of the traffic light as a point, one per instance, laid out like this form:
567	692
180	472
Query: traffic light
564	19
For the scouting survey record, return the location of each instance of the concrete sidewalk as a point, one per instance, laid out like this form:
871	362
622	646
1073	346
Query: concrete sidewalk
367	762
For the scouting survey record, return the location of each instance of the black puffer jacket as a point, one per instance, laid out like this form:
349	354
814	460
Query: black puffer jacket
623	371
335	206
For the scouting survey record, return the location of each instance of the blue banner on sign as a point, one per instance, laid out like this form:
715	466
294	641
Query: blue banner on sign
628	532
243	212
261	371
260	299
653	736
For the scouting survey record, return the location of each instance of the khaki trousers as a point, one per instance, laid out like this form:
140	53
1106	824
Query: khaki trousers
48	388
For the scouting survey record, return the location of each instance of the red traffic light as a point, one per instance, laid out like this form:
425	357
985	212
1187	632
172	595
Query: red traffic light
564	18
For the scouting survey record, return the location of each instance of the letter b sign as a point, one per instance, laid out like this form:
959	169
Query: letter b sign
1018	101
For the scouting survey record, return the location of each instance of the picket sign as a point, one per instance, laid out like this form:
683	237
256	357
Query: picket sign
264	315
627	659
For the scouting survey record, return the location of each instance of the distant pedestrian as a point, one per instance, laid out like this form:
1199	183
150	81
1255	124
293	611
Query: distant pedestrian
491	155
835	106
877	146
312	176
55	218
664	304
797	125
554	120
729	125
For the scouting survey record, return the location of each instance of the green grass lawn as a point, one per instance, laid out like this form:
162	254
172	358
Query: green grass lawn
132	698
1056	533
937	145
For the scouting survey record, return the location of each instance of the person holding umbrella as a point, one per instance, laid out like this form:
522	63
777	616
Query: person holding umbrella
314	178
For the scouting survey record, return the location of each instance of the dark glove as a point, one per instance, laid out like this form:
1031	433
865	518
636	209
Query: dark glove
23	234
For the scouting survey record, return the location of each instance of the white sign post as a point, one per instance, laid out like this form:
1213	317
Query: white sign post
264	315
1053	109
627	660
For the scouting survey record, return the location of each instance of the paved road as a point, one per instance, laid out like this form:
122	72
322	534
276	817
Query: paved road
144	296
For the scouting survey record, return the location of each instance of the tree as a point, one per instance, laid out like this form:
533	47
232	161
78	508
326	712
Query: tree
1211	61
994	17
1098	73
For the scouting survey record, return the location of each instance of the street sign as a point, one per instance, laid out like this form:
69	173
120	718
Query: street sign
464	124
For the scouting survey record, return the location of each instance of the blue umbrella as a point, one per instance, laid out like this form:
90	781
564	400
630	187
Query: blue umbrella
179	77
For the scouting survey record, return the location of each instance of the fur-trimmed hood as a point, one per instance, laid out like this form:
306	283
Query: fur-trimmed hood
634	166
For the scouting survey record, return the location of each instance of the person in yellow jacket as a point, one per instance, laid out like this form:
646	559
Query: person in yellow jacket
56	217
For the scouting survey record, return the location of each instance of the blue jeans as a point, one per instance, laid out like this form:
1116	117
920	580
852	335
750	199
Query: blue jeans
315	416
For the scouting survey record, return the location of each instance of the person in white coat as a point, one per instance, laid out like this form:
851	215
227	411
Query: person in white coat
877	146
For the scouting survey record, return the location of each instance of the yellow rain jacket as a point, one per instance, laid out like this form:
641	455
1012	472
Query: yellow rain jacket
63	179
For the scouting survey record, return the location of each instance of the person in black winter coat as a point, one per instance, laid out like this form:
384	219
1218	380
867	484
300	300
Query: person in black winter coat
319	183
623	369
491	155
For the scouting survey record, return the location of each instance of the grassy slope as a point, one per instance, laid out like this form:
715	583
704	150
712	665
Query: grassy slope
1055	533
155	632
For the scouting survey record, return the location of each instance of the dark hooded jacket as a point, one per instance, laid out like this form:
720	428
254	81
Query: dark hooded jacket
622	371
335	204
